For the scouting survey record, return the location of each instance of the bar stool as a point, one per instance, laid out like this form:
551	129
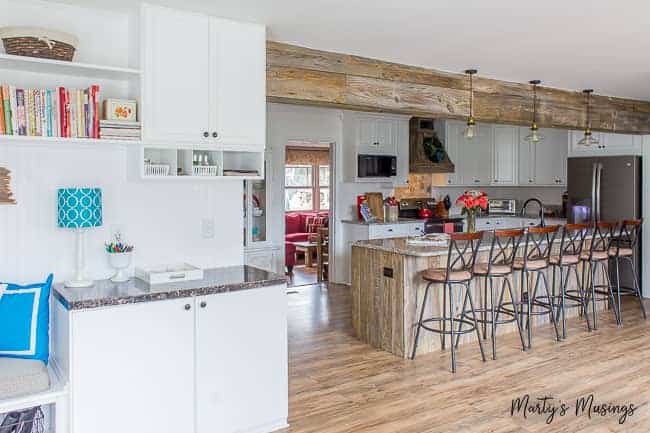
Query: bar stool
535	263
461	257
624	250
598	256
566	262
503	251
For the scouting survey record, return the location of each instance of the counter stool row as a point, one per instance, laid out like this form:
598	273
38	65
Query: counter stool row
609	244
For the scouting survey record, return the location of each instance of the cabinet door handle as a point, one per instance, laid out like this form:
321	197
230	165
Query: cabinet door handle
390	230
204	304
206	134
215	135
188	307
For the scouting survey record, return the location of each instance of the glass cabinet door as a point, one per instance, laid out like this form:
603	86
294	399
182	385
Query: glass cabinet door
255	210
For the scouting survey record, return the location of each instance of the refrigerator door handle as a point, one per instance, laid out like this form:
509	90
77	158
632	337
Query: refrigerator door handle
599	175
594	204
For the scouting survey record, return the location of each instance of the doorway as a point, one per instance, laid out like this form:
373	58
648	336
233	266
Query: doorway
307	210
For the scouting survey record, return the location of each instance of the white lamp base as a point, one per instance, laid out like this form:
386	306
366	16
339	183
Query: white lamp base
79	283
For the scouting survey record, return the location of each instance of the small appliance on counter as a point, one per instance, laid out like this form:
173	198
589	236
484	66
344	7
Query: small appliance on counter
412	208
502	206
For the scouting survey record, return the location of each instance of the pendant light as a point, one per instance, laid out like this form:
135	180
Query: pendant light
535	136
588	139
470	131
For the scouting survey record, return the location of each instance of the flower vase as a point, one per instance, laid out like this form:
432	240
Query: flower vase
471	222
120	262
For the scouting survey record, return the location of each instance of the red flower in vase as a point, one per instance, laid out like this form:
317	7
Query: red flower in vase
472	201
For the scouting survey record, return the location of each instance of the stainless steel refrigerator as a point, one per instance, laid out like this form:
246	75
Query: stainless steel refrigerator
606	189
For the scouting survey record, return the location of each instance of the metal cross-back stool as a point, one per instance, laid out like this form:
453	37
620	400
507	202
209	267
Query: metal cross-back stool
503	252
598	257
624	249
566	262
535	263
461	257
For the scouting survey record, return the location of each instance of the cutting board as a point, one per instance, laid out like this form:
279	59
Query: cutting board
375	202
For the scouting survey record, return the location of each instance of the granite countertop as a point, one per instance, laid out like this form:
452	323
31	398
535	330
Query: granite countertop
401	246
217	280
399	221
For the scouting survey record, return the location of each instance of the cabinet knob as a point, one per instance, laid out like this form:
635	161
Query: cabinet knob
188	307
206	134
215	135
204	304
448	180
530	181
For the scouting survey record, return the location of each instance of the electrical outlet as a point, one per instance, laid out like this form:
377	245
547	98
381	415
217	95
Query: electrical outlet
207	228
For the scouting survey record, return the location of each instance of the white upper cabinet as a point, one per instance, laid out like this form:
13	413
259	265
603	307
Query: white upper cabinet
204	79
473	163
238	82
543	163
610	144
504	155
176	74
377	135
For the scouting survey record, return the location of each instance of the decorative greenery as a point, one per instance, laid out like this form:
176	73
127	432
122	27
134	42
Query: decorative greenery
433	149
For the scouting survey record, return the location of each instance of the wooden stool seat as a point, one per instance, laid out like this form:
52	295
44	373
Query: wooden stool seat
624	252
566	260
439	275
532	265
497	270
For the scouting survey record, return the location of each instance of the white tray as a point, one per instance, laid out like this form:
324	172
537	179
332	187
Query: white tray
169	273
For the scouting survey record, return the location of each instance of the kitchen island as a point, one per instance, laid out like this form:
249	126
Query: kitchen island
387	292
198	356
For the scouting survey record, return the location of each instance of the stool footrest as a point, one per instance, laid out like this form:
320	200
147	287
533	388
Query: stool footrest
448	320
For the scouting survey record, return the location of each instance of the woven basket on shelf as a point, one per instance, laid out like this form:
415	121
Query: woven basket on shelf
38	42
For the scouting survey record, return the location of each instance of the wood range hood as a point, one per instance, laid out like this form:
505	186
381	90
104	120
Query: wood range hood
427	152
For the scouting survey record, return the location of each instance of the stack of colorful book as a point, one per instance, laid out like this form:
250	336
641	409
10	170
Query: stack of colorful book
119	130
60	112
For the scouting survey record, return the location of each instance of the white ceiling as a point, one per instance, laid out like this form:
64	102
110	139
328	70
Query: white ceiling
571	44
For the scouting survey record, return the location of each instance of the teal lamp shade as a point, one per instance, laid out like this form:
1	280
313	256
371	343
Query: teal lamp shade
79	208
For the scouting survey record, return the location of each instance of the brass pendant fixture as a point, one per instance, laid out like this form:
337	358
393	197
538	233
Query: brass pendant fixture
535	136
470	131
588	140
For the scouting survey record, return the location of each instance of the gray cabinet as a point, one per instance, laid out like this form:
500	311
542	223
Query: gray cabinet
543	163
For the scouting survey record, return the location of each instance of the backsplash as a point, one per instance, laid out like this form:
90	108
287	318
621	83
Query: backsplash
426	185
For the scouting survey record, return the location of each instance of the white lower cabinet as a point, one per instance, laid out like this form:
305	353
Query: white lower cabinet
241	361
132	368
210	364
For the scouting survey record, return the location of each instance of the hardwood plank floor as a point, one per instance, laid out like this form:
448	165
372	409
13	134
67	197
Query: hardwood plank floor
338	384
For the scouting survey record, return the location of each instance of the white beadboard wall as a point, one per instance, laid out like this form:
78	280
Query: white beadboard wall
162	219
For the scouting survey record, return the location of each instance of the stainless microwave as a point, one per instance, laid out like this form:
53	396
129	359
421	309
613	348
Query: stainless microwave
377	166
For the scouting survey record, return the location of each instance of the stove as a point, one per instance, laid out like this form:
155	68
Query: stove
409	208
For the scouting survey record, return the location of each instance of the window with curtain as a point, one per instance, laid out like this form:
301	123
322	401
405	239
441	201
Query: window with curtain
307	179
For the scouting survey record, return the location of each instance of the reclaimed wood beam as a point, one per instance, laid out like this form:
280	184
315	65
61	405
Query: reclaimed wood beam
301	75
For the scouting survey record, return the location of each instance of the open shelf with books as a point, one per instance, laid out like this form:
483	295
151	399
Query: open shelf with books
59	113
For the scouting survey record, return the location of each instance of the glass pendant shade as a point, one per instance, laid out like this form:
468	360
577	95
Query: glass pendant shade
534	136
588	140
470	131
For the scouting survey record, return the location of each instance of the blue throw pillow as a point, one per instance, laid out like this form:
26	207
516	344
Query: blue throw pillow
25	320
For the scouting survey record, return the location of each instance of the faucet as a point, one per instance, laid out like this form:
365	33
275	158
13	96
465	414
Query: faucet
541	210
